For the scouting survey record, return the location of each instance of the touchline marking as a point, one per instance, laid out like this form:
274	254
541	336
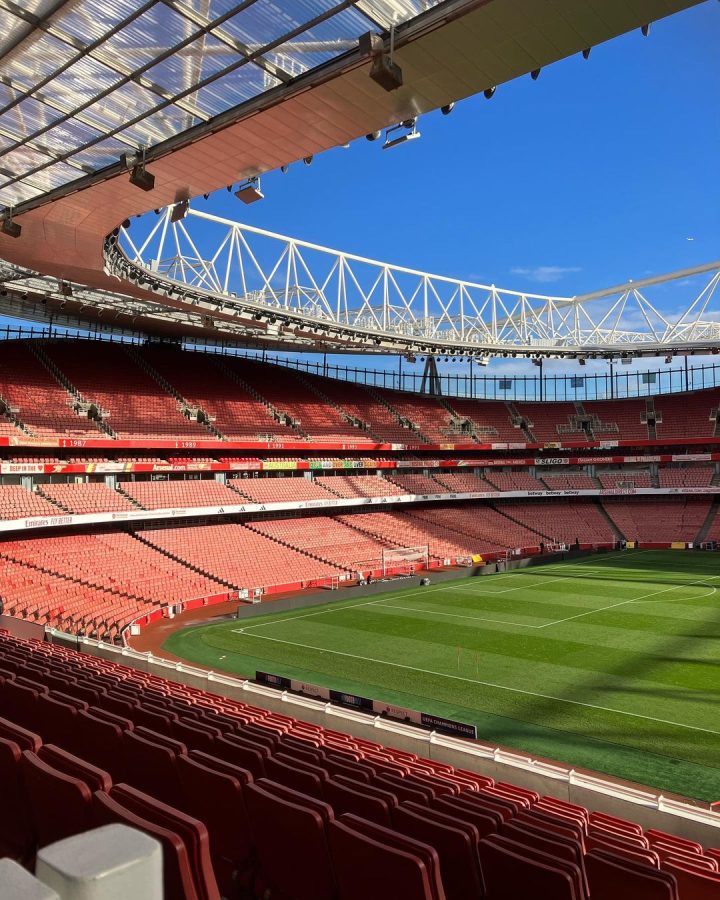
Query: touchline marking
502	687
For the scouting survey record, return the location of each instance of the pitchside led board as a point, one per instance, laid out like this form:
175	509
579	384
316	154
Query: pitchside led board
376	707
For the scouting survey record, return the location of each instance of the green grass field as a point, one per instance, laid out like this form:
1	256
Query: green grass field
609	662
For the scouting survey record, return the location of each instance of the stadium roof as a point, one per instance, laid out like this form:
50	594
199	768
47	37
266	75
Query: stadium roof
267	82
84	83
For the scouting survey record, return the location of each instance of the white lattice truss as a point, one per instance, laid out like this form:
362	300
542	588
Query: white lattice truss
308	294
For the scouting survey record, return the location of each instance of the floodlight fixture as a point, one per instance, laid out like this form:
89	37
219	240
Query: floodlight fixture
66	289
447	109
141	178
9	227
284	169
669	358
535	74
180	211
586	53
308	160
372	136
401	133
489	93
249	191
645	30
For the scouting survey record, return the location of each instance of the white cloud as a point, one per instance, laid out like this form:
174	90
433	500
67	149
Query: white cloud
545	274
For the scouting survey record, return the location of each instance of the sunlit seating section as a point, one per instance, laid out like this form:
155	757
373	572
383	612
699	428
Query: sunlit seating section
184	494
619	419
17	503
280	490
239	556
628	478
138	406
551	422
562	521
351	486
115	562
289	395
234	412
431	418
687	476
514	481
327	538
490	419
360	404
85	498
418	484
687	415
655	520
41	403
488	529
222	784
461	482
574	481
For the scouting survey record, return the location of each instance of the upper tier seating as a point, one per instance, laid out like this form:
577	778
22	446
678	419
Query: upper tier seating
235	413
626	479
652	520
138	407
687	415
280	490
562	521
43	405
328	539
224	785
360	404
427	413
490	419
551	422
17	503
573	481
514	481
288	394
172	494
239	556
359	485
86	498
688	476
620	419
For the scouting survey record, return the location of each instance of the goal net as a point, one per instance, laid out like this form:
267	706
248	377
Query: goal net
404	560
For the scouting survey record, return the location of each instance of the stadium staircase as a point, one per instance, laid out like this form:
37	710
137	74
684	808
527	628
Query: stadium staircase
401	420
184	562
709	520
82	407
272	411
298	548
128	497
608	518
9	413
521	422
517	521
651	418
186	409
351	420
458	421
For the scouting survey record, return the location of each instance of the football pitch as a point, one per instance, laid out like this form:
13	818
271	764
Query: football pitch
610	662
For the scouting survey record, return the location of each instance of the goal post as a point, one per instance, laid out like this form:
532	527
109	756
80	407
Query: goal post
404	560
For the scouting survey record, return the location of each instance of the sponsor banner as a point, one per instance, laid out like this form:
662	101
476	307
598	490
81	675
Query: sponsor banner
552	461
449	726
271	464
311	690
397	712
608	445
276	681
354	701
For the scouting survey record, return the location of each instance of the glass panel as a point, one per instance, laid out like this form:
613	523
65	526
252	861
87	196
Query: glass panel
28	117
244	83
203	58
159	126
36	58
151	34
322	42
125	103
17	193
66	136
91	20
82	81
105	153
267	20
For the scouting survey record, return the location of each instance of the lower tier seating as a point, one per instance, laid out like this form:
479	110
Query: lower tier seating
652	520
250	803
563	521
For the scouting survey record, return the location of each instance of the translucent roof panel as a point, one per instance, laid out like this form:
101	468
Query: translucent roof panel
85	82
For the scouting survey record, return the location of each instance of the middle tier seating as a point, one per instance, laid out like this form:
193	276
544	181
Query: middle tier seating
350	486
514	481
17	503
280	490
418	484
183	494
630	478
86	498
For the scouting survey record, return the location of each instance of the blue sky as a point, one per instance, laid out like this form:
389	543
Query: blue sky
599	171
